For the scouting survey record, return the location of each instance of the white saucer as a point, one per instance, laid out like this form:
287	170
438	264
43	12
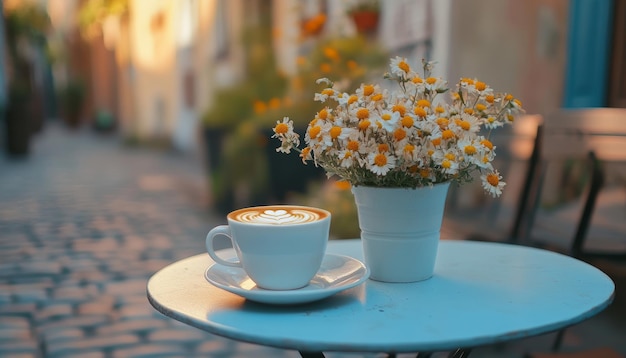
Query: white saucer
336	274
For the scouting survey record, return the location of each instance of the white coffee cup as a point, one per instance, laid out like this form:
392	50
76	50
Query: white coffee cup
280	247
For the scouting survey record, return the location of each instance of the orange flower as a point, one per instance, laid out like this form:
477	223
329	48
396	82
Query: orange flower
314	25
259	107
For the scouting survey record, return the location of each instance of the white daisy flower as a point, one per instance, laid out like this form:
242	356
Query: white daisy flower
324	80
400	66
492	183
346	158
387	119
380	163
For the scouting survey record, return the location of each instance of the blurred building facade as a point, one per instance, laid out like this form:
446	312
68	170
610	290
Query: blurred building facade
156	67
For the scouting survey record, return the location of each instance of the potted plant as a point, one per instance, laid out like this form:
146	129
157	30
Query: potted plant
400	150
72	100
365	15
25	27
348	58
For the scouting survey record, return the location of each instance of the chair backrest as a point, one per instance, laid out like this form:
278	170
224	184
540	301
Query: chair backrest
591	136
525	144
576	132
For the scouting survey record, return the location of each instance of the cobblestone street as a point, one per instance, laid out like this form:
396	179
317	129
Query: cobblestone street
84	222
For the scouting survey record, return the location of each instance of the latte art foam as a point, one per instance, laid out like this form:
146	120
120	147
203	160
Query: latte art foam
277	217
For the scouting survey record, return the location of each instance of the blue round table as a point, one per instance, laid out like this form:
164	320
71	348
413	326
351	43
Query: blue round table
481	293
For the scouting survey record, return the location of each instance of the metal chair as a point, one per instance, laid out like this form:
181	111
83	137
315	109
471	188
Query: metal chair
591	138
576	139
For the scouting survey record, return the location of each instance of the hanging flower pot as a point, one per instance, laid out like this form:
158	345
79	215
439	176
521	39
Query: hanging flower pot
366	22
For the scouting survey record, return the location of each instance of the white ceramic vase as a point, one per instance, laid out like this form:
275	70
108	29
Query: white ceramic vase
400	230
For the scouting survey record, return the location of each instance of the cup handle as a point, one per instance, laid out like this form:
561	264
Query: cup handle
216	231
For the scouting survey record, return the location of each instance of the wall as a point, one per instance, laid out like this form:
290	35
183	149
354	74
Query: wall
154	81
515	46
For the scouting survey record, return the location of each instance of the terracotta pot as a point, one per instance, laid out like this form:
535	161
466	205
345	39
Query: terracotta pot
366	22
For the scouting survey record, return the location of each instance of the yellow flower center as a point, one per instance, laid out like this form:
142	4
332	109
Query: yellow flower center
407	122
328	91
305	152
363	113
447	134
385	116
442	122
353	145
424	173
468	111
431	80
481	86
380	160
490	98
314	131
470	150
323	114
399	108
409	148
493	179
423	103
368	90
364	124
404	67
436	142
335	132
440	109
352	99
420	112
417	80
399	134
480	107
465	125
383	147
508	97
446	164
377	97
450	156
487	144
281	128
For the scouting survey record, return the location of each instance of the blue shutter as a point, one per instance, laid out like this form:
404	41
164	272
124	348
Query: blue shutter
588	53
